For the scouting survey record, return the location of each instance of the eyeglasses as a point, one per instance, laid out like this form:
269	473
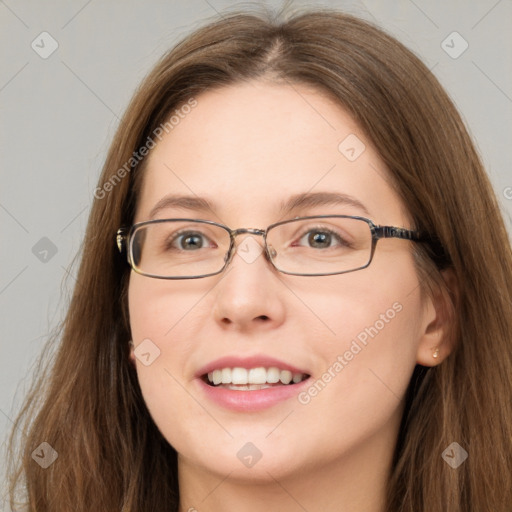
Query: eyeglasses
319	245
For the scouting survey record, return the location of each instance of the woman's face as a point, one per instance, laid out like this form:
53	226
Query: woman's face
247	149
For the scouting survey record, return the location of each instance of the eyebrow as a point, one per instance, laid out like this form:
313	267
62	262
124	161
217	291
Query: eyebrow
293	203
313	199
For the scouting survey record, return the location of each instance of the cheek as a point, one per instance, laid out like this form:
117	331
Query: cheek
162	319
158	308
160	312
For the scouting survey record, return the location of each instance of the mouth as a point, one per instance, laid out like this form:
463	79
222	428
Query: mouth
252	379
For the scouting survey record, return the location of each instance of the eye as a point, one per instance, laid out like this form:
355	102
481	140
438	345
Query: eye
321	238
189	241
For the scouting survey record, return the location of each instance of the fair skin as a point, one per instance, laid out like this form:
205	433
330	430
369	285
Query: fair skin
247	148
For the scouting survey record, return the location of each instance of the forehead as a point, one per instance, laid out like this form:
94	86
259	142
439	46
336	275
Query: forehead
249	147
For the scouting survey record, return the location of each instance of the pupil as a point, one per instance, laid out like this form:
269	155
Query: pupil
192	241
320	239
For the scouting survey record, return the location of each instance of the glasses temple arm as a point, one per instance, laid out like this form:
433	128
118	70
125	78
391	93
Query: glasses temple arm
403	233
437	251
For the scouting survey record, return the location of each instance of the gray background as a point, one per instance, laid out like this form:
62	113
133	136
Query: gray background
58	116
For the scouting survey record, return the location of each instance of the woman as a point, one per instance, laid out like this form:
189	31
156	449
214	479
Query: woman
294	294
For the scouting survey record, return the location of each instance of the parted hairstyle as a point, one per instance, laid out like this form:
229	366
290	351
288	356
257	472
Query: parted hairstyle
86	401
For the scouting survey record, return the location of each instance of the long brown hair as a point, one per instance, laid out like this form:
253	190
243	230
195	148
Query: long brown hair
88	405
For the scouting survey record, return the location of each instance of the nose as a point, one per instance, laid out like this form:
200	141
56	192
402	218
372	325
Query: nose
250	294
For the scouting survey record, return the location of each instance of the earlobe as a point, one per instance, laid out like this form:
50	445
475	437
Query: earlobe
438	335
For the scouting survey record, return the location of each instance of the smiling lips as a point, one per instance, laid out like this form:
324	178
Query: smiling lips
250	373
251	383
247	379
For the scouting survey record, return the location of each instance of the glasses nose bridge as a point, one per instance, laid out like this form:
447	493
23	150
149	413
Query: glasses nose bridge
241	231
253	231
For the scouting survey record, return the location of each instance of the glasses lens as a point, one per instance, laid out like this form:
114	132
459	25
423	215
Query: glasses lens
179	248
318	246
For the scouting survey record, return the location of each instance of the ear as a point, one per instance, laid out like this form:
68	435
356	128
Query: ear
438	325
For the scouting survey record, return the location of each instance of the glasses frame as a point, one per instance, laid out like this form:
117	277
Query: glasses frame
125	234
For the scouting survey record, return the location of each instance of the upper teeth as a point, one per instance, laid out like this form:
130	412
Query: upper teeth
258	375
